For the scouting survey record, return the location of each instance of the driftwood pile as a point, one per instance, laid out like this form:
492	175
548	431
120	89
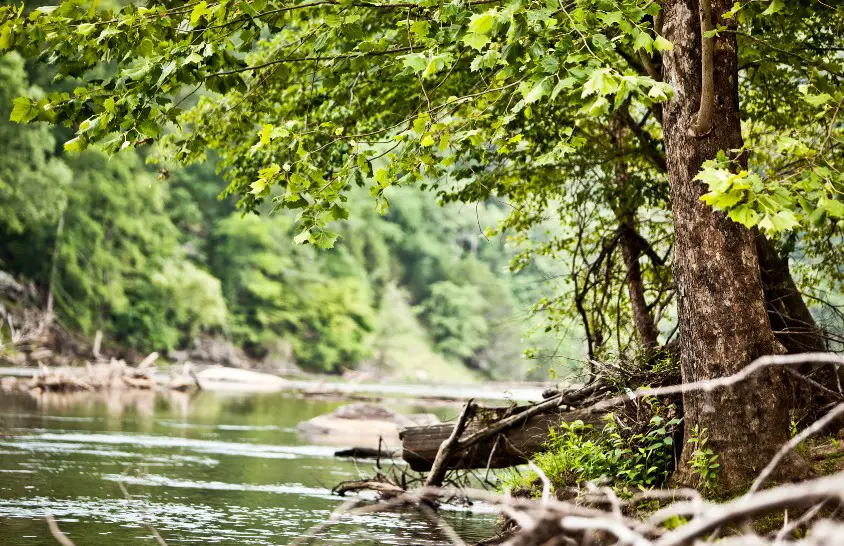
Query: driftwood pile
809	512
112	375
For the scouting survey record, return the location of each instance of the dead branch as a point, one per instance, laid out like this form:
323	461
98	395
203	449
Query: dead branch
439	468
784	496
60	537
708	385
384	488
564	398
552	521
805	434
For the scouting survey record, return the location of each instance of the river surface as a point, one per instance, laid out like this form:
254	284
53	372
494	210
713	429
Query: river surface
211	468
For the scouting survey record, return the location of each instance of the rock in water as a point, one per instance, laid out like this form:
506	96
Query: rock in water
361	425
219	377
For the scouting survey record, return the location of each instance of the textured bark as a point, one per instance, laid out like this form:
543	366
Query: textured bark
791	319
721	305
795	327
420	445
642	318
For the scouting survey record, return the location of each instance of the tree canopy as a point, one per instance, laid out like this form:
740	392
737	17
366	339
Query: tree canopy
316	97
648	133
533	103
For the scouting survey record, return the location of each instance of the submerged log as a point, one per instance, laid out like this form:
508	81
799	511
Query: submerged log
511	447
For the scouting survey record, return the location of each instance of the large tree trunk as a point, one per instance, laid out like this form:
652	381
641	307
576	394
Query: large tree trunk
625	204
721	305
795	327
791	319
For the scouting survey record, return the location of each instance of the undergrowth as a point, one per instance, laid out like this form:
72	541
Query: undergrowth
626	454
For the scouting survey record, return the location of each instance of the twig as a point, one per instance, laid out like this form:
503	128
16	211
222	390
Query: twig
790	528
441	524
821	489
147	523
546	483
60	537
612	526
709	385
439	468
793	443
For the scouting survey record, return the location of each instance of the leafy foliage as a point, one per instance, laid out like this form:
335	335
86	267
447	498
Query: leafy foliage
629	459
550	108
703	461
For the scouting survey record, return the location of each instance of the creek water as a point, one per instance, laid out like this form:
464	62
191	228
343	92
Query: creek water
209	468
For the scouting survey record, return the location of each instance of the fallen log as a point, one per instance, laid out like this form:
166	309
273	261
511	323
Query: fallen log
386	489
509	447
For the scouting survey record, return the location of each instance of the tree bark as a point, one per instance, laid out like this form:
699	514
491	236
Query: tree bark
791	320
642	317
420	445
795	327
721	306
625	204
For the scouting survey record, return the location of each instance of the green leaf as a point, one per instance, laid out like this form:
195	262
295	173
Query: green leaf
817	100
85	29
269	172
661	44
23	111
661	91
475	41
339	213
612	17
542	88
643	41
774	7
415	61
296	183
565	83
325	239
601	83
166	70
722	201
834	207
199	11
427	141
784	220
265	133
149	128
745	215
420	28
258	186
75	144
481	23
302	238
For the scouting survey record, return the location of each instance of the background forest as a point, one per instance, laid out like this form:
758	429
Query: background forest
155	260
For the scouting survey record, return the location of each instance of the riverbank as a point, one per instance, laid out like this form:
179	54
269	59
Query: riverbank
333	386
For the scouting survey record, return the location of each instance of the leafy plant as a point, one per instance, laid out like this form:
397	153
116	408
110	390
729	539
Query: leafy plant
704	461
626	457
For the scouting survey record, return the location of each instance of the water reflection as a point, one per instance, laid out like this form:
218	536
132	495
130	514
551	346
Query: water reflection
211	468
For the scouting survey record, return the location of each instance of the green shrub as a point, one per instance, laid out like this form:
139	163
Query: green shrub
704	462
619	454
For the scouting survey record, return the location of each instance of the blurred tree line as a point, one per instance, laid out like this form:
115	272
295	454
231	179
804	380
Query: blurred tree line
156	259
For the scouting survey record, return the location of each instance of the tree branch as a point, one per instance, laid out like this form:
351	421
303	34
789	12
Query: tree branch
707	84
